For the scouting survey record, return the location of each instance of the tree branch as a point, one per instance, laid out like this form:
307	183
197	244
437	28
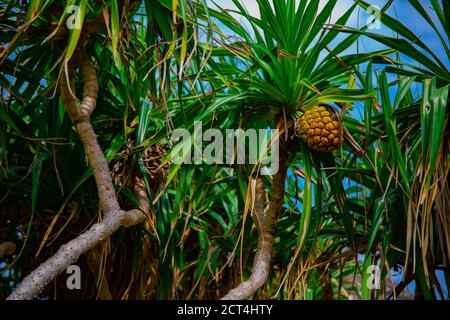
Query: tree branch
266	227
114	217
80	116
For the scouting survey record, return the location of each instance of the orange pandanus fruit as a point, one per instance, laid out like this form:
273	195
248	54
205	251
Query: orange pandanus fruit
321	129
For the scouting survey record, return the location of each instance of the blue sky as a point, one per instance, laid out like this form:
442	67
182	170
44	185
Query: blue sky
400	9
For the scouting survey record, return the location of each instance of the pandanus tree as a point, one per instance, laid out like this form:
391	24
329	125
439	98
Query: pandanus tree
85	150
52	54
277	72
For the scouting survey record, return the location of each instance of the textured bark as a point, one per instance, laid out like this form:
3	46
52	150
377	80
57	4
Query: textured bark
107	194
7	248
266	227
94	256
80	116
114	217
68	254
